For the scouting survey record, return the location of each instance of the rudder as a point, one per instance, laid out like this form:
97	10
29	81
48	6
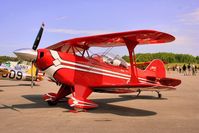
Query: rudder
157	68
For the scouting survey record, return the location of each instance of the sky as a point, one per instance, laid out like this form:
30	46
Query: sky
20	21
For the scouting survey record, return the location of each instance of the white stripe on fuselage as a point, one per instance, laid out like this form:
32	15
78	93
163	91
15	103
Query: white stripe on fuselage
52	69
56	56
93	69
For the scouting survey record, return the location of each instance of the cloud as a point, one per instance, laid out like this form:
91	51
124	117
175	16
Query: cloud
62	18
184	40
77	32
191	18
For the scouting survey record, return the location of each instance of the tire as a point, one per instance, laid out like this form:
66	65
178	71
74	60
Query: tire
52	103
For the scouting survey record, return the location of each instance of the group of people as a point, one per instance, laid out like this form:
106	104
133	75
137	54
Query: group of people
186	69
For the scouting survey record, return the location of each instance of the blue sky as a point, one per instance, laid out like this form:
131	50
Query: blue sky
65	19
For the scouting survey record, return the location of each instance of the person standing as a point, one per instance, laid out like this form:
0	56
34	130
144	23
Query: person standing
189	69
193	70
184	69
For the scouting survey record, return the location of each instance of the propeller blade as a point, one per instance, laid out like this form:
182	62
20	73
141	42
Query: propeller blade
38	38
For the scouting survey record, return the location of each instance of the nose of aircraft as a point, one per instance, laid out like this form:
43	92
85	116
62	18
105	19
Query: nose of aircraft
26	54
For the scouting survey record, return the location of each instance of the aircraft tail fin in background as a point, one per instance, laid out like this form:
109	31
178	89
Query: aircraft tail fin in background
34	71
157	68
38	75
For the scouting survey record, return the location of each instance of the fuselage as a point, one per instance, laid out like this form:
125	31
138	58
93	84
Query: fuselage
72	69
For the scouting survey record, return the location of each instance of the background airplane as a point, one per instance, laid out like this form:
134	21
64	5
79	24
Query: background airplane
8	73
70	64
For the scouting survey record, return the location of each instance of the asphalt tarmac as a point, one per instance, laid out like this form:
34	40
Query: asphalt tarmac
22	110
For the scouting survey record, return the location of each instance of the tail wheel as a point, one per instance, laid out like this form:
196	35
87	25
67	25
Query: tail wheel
159	95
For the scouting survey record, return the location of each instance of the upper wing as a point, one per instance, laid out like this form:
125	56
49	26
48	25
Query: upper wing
113	40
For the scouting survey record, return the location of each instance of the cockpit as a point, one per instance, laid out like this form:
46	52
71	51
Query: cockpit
112	59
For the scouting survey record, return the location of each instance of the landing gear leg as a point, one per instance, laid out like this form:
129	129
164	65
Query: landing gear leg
79	99
159	95
139	91
53	98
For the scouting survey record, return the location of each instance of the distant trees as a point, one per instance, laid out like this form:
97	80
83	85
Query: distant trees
167	57
197	58
7	58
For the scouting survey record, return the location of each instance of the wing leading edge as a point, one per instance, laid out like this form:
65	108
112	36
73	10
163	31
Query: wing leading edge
114	40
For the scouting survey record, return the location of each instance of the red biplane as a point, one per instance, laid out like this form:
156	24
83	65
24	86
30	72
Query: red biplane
70	64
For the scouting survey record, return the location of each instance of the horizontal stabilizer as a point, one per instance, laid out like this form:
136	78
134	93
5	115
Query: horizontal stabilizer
170	81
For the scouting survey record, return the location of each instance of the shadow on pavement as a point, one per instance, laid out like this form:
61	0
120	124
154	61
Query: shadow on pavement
104	105
28	84
147	97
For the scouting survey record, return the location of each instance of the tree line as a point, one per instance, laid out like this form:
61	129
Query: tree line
143	57
8	58
167	57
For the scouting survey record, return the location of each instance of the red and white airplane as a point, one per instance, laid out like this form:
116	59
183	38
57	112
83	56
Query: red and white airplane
70	64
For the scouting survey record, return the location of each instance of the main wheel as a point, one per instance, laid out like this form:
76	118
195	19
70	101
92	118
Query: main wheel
51	103
159	95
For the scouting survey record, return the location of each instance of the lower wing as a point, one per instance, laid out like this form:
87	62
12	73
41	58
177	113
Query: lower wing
143	86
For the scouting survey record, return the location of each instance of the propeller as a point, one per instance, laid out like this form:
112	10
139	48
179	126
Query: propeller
34	47
38	38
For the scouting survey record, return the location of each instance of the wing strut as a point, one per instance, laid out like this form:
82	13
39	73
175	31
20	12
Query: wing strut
131	46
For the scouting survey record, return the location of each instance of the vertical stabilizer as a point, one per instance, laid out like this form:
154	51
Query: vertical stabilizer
157	66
